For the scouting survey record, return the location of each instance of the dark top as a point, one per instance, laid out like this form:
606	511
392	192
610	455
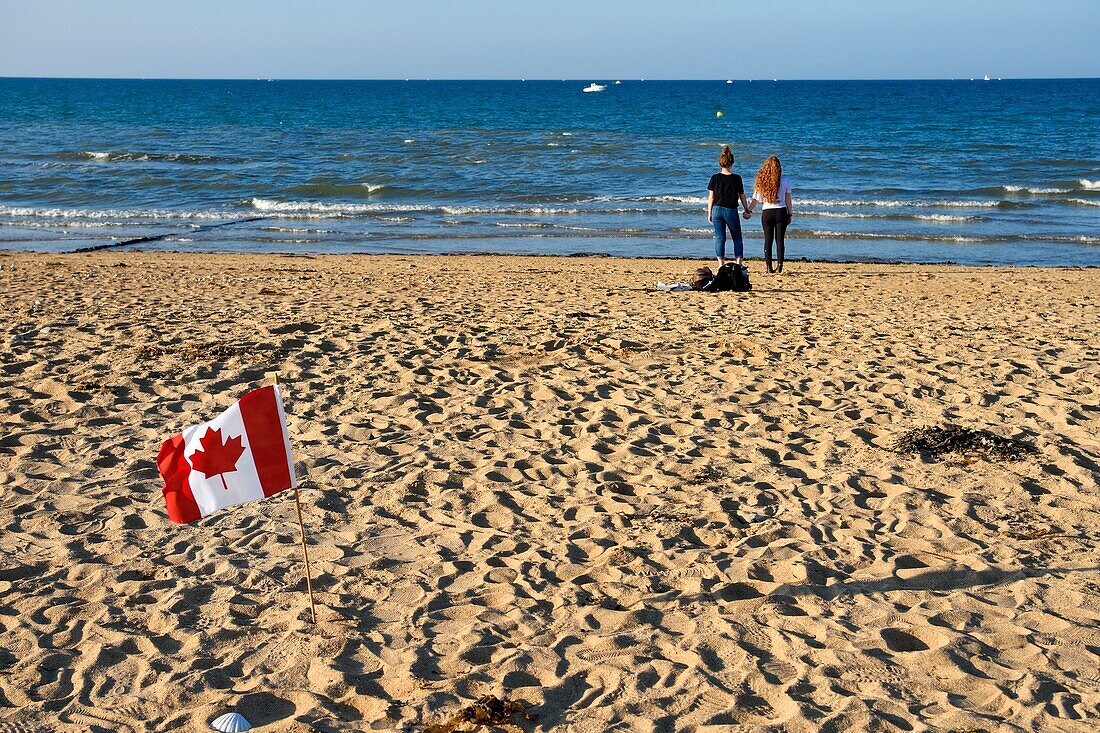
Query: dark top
727	189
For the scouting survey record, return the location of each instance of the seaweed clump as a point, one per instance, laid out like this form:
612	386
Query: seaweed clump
211	351
940	440
487	710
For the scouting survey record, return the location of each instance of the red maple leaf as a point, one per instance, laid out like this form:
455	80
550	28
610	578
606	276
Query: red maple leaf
217	458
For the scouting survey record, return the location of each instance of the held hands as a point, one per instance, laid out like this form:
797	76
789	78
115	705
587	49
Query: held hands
747	214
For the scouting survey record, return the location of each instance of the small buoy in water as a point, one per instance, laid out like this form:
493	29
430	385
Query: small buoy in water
719	115
230	723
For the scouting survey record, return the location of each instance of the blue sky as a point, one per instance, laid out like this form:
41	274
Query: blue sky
577	39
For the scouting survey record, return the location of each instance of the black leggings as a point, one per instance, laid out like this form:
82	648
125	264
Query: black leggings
775	226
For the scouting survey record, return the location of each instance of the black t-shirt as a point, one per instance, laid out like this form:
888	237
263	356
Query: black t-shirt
727	189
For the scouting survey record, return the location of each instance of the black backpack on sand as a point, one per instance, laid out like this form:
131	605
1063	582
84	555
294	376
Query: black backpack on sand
730	276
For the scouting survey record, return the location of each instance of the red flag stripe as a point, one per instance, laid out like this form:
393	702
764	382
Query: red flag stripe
175	470
266	429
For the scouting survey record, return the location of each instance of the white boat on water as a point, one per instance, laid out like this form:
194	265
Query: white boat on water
729	81
618	82
594	87
986	78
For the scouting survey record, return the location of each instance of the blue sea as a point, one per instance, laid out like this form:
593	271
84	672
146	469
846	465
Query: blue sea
980	172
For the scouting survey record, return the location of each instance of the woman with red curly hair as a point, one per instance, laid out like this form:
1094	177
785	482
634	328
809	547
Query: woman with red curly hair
774	191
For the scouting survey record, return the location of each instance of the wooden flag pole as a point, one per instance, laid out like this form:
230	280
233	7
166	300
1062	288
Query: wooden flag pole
305	550
305	553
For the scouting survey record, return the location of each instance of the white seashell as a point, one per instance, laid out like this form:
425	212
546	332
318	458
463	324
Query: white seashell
230	722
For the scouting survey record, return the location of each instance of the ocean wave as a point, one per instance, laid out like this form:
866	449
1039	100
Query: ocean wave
319	209
299	230
671	199
1026	189
102	156
60	224
1089	185
899	236
957	239
838	214
510	210
892	217
333	210
947	217
1084	202
914	204
561	227
147	214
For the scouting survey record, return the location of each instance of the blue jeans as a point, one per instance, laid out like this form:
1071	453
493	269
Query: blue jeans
726	218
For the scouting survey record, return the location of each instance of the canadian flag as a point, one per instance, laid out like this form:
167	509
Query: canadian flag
241	455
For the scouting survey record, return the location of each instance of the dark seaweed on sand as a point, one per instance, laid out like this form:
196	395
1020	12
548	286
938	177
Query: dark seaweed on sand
209	352
488	710
941	440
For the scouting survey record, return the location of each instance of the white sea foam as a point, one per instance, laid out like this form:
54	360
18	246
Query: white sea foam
1085	202
825	234
316	207
513	210
675	199
945	217
547	225
371	187
1025	189
148	214
96	155
838	214
890	204
1089	185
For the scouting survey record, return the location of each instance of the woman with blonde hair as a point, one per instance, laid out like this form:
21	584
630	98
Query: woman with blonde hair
773	190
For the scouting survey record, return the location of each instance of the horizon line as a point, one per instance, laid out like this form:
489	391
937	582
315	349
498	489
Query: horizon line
540	79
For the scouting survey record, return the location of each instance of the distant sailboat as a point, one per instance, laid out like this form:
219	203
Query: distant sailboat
986	78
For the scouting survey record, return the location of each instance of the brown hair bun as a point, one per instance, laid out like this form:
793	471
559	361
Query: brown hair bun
725	160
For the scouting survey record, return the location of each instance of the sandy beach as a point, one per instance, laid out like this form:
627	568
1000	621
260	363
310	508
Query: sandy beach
536	478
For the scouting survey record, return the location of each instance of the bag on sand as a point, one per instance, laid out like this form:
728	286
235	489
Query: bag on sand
741	282
729	277
700	278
